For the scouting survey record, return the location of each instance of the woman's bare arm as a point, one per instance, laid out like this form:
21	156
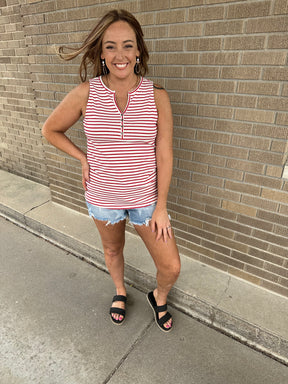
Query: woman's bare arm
62	118
164	156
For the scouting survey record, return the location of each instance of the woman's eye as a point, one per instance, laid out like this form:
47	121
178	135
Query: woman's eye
128	46
109	47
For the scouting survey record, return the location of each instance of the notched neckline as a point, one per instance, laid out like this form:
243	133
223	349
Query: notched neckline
129	92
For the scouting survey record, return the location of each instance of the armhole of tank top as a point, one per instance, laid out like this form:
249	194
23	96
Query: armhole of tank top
154	98
89	98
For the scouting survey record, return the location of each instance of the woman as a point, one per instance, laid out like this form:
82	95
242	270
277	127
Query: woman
128	166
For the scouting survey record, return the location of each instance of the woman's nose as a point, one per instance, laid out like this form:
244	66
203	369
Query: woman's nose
119	53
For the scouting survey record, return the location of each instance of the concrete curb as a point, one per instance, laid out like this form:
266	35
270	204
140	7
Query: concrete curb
213	311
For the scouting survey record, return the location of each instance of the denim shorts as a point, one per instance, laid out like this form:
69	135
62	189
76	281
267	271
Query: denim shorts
137	216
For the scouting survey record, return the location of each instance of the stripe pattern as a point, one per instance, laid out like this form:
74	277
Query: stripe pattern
121	147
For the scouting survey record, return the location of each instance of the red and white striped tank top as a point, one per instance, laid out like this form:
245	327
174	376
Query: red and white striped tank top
121	147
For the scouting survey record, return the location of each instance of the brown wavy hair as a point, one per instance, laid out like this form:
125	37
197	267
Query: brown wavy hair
92	45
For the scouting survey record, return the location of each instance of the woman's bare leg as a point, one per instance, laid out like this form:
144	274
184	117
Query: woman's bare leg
113	240
167	262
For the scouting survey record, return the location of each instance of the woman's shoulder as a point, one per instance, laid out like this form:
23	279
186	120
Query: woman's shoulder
79	94
82	87
160	94
150	82
82	90
158	90
158	86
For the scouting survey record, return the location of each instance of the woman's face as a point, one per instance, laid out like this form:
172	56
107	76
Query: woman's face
119	49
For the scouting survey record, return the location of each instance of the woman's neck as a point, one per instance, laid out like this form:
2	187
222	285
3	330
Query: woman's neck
126	85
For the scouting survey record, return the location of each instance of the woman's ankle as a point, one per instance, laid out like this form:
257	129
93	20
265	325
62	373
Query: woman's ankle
161	299
121	291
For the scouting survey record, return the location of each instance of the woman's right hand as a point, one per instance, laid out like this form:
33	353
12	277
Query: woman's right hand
85	173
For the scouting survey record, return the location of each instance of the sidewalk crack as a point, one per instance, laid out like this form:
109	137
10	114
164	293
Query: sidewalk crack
225	291
36	206
132	347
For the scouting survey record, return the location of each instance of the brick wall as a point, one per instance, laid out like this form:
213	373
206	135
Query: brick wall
224	64
21	146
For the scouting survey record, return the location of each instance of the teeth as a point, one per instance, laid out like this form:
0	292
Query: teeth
121	65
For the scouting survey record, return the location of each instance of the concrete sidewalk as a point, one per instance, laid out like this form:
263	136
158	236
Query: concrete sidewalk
256	317
55	329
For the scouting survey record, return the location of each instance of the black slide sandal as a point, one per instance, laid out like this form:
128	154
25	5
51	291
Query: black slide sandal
117	310
156	310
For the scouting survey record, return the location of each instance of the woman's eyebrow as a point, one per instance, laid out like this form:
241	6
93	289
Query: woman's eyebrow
113	42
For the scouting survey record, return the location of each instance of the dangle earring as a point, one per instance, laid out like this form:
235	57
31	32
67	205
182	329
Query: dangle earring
137	66
104	68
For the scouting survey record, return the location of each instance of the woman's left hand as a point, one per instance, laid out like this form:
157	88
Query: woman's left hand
160	223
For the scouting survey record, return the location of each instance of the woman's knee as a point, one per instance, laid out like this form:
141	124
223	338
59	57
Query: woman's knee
114	250
171	268
176	268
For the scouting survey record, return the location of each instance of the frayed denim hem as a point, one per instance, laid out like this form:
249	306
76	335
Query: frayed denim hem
137	216
145	222
109	222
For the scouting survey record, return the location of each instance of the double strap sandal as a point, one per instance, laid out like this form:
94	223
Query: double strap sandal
159	308
119	311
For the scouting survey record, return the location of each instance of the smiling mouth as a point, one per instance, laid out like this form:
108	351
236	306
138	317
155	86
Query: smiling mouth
121	66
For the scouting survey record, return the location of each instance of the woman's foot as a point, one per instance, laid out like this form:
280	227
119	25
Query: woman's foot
162	317
117	310
168	324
